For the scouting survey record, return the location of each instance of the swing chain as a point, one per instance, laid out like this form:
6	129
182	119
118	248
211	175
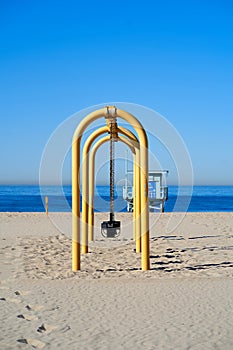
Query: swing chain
112	171
111	121
111	228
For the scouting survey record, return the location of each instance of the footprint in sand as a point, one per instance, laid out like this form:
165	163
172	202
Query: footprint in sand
34	307
11	300
33	342
45	328
14	300
22	292
27	317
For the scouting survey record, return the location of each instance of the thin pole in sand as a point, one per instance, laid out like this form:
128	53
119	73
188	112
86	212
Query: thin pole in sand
47	205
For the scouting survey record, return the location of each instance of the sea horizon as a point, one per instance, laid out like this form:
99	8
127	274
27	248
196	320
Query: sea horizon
30	198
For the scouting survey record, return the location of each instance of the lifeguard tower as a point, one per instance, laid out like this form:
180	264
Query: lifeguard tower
157	190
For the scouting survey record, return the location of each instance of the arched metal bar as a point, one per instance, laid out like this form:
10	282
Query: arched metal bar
76	144
92	180
87	213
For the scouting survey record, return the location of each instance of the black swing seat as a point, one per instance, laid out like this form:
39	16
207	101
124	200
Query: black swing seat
110	229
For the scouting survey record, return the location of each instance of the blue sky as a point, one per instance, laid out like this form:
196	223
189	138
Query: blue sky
58	57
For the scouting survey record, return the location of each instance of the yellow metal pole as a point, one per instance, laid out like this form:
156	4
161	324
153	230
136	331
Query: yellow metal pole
88	172
91	185
92	180
130	143
76	184
76	204
145	243
145	263
137	185
46	205
85	176
108	111
137	201
88	207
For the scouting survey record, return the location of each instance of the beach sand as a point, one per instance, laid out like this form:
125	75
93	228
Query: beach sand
184	302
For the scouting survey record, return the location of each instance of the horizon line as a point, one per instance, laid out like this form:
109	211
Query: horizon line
101	184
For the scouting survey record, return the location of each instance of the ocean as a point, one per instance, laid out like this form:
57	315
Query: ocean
31	199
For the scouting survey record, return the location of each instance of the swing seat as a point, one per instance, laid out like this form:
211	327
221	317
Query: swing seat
110	229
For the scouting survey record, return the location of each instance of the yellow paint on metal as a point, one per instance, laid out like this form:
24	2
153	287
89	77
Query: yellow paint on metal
76	184
137	201
143	190
85	175
75	204
88	172
92	178
137	194
145	244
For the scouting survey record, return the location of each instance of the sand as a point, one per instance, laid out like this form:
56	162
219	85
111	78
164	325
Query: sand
184	302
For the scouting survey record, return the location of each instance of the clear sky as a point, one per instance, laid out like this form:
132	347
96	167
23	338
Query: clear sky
58	57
